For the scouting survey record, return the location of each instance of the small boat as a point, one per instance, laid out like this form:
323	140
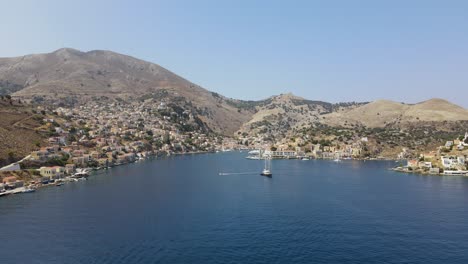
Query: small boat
59	184
305	158
267	170
337	160
28	190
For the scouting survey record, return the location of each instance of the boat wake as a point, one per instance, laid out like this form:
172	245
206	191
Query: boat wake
236	173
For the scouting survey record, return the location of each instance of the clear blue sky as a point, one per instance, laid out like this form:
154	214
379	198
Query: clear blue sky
324	50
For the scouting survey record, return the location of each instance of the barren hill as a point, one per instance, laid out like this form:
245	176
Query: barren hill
72	73
383	112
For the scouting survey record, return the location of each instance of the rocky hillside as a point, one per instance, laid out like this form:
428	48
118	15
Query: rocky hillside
384	113
70	76
74	75
279	115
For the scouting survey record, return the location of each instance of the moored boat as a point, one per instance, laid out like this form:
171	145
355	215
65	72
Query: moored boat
28	190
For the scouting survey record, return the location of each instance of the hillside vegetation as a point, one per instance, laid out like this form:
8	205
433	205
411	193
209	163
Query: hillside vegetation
18	131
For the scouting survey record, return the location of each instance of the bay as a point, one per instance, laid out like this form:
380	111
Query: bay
181	210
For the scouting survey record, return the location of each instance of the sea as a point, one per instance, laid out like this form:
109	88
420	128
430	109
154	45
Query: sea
216	208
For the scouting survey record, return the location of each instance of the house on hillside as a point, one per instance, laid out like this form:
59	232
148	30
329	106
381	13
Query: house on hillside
12	182
55	172
448	144
451	162
412	163
70	169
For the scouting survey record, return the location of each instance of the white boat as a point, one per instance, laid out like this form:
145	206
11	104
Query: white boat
337	160
81	173
253	157
254	152
28	190
305	158
267	170
226	149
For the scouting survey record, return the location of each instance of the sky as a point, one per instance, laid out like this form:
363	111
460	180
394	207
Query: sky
330	50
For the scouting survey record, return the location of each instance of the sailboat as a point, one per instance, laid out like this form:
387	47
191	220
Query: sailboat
267	170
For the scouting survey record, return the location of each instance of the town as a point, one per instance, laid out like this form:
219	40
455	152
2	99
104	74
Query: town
100	134
450	159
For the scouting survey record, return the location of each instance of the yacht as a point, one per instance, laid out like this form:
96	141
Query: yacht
81	173
305	158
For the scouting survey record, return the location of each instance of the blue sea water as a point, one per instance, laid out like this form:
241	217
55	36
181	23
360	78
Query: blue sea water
180	210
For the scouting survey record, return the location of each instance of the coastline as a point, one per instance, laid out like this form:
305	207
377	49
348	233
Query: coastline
426	173
94	171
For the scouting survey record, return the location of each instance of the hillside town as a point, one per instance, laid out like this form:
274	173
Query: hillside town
100	134
449	159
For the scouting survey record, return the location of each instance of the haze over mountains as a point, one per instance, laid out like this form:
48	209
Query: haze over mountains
69	73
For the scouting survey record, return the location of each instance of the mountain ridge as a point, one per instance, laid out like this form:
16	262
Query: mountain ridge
69	73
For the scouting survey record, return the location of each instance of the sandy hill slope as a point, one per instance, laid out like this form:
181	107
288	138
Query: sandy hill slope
383	113
72	73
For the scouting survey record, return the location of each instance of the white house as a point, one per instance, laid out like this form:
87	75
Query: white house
452	162
462	142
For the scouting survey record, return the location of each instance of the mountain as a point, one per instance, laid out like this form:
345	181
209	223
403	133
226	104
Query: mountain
69	73
73	76
383	113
